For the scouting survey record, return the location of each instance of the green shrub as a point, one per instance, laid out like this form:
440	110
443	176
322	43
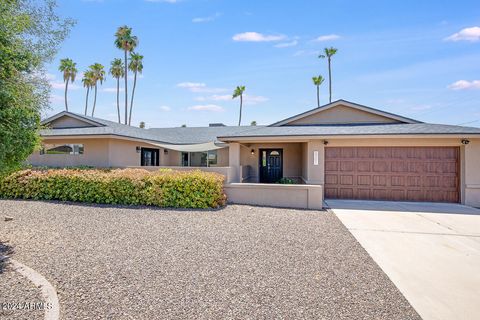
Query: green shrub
164	188
285	180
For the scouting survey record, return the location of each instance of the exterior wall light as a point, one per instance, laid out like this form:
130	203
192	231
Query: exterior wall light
325	142
252	152
139	149
465	141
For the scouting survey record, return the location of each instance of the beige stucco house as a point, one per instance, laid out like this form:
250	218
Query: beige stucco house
342	150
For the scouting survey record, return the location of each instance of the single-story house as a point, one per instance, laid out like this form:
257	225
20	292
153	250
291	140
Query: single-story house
341	150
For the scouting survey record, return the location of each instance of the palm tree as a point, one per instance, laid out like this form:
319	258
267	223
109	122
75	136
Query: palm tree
117	71
238	92
136	66
98	74
125	41
317	81
69	69
87	83
329	52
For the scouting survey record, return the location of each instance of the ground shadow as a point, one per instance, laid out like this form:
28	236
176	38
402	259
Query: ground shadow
400	206
119	206
5	252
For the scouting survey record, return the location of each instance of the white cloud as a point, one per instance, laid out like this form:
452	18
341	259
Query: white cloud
250	99
215	97
301	53
61	85
112	90
54	98
206	107
327	37
199	87
257	37
468	34
465	84
165	108
287	44
206	19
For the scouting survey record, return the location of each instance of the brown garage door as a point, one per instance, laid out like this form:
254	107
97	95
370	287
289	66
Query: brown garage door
392	173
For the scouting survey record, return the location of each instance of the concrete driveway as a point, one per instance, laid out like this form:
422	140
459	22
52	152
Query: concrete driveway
430	251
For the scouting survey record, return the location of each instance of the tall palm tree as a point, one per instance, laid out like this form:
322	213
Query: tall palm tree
125	41
69	69
317	81
88	83
117	71
238	92
98	74
136	66
329	53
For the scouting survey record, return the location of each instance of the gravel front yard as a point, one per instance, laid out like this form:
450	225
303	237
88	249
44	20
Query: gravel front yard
237	262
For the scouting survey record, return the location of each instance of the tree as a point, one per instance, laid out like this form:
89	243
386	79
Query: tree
88	82
125	41
30	35
253	123
69	69
329	53
142	125
117	71
184	126
317	81
98	74
238	92
136	66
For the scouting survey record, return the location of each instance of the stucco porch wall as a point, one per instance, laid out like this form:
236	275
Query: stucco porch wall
299	196
292	159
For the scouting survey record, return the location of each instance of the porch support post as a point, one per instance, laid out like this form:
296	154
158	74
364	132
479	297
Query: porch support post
315	172
234	161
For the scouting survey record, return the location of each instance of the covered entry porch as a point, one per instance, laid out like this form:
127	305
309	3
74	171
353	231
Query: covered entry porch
276	173
293	162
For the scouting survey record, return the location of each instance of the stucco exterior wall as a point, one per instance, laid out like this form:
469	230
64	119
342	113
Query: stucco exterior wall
96	153
342	114
472	173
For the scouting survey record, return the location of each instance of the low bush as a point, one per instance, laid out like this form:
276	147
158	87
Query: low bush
164	188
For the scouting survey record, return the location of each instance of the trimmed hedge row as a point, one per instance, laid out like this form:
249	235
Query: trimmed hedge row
164	188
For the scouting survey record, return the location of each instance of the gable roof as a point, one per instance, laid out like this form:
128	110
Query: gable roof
94	122
178	135
346	103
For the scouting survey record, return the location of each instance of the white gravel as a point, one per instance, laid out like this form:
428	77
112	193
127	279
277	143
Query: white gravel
235	263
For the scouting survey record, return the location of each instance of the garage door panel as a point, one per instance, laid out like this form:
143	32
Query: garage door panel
392	173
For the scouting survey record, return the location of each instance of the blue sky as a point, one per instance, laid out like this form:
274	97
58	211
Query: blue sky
420	59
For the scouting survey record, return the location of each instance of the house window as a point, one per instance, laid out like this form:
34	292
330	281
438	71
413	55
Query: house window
200	159
74	149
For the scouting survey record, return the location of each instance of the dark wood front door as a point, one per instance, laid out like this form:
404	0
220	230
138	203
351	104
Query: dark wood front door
149	157
271	165
393	173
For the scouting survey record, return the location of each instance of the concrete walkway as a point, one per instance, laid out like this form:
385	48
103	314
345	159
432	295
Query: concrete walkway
430	251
